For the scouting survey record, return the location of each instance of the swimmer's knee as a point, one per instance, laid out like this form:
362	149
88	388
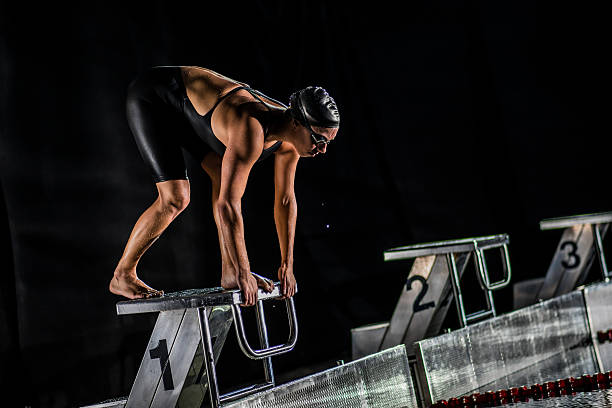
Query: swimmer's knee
174	197
175	203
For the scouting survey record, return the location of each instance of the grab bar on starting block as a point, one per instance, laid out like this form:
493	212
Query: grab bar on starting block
267	351
483	272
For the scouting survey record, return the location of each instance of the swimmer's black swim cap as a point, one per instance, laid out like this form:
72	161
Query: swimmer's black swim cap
315	106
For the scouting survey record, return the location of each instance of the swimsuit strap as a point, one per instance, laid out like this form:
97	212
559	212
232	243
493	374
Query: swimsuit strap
256	94
267	97
225	96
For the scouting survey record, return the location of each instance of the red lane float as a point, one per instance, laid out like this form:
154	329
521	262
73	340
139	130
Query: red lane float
604	336
550	389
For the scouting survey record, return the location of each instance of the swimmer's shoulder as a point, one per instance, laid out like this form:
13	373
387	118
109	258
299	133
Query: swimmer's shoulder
286	150
193	73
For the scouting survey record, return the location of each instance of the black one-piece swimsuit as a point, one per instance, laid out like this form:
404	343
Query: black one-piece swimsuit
163	121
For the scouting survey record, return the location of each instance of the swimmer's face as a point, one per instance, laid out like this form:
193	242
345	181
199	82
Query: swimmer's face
315	142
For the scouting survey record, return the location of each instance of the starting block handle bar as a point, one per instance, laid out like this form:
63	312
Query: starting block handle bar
479	315
234	395
266	351
465	319
481	265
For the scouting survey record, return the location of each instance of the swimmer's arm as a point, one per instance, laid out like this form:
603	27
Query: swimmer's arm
285	212
241	153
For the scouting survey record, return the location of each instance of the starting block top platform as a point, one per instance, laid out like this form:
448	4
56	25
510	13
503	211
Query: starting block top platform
190	299
447	247
565	222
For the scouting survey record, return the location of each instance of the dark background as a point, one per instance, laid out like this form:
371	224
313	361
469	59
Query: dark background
459	119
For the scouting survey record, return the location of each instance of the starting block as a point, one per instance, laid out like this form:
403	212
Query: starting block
581	242
178	366
425	299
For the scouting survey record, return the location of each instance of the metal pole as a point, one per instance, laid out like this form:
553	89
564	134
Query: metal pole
507	267
272	350
481	267
484	276
450	259
263	339
209	357
600	252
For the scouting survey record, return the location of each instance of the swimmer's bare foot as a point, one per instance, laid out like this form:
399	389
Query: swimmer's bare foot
128	285
229	281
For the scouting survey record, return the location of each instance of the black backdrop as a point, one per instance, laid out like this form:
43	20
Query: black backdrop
459	118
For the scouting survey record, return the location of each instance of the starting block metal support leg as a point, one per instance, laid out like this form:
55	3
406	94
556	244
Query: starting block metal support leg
597	235
263	340
209	359
456	289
